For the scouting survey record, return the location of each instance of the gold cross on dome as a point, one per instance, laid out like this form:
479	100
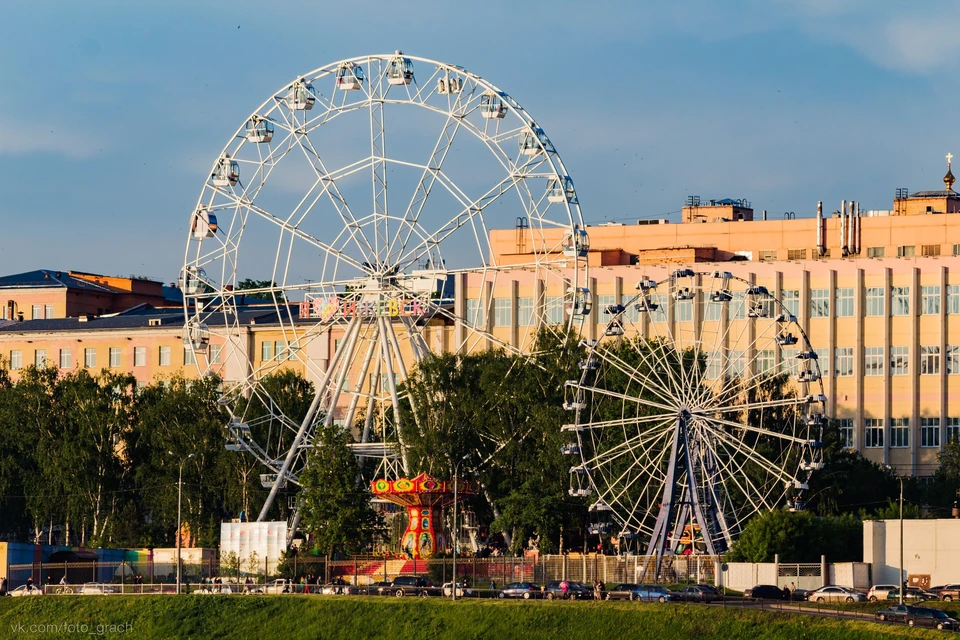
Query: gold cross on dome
949	158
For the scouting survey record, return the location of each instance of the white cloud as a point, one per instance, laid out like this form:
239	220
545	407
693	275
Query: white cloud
26	137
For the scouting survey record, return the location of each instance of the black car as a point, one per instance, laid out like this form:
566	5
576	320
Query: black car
623	591
525	590
764	592
575	591
927	617
410	586
698	593
369	589
896	613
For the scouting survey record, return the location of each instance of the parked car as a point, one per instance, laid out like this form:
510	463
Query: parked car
833	593
764	592
575	591
654	593
525	590
912	594
280	585
96	589
947	592
26	591
880	591
410	586
623	591
896	613
462	591
339	588
698	593
373	589
928	617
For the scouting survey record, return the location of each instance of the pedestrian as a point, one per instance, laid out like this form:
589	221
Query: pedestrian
493	584
603	589
564	589
3	586
63	579
786	593
596	589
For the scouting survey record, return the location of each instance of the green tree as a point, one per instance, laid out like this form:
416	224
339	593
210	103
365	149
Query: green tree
258	288
334	501
799	537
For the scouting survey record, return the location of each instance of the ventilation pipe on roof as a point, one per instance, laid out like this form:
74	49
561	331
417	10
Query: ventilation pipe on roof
764	214
856	233
843	227
820	247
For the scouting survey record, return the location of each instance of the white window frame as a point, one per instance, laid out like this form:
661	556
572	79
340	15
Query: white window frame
930	300
89	357
899	301
139	356
502	312
48	312
844	304
216	353
524	312
819	303
843	361
873	299
899	361
66	359
930	432
899	433
40	358
930	360
164	355
873	432
116	357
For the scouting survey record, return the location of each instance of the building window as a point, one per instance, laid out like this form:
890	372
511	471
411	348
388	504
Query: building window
930	361
266	351
552	310
280	351
819	303
929	432
736	308
875	252
16	359
873	433
714	368
36	312
953	298
906	251
791	301
736	364
90	358
873	361
844	361
48	311
930	250
874	301
215	353
684	311
602	303
790	364
952	432
40	358
899	301
502	312
712	311
66	359
475	313
525	312
956	249
899	361
952	358
189	356
930	300
765	362
844	303
164	356
114	357
796	254
767	255
139	356
900	432
846	432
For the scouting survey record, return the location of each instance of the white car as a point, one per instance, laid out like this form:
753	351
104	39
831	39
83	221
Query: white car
880	591
280	585
461	592
26	591
96	589
834	593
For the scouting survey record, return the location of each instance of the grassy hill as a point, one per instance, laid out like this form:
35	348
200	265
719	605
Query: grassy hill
294	617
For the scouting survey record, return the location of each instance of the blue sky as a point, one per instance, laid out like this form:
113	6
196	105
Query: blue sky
114	111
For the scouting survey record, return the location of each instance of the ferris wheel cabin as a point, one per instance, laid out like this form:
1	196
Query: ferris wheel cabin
350	77
301	96
191	280
561	190
576	243
580	301
196	336
400	70
259	130
203	224
533	141
226	173
491	106
449	85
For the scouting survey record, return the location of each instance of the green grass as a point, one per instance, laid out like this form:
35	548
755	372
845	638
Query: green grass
294	617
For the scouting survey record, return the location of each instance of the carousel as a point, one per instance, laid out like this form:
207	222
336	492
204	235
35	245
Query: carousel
423	497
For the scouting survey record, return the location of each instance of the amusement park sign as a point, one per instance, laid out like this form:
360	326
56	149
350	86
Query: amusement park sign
330	307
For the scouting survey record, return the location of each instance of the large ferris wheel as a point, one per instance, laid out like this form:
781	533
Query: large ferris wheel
358	199
701	405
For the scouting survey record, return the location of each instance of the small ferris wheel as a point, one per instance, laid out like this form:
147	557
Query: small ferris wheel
701	405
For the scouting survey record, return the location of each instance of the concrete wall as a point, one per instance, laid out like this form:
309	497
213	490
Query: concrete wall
930	549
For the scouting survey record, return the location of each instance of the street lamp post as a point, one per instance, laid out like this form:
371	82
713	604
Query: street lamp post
456	536
902	586
179	505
